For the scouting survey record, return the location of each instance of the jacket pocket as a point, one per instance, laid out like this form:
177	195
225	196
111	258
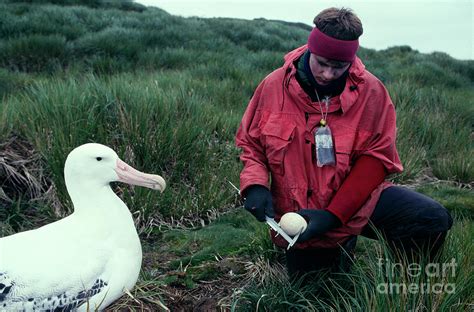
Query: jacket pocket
343	150
277	134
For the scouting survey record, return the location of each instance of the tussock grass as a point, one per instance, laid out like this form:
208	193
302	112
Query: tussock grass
171	123
434	131
172	128
379	281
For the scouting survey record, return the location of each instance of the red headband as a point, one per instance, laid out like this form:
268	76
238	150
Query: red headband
332	48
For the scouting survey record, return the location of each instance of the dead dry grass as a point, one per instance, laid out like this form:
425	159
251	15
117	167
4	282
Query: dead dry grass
216	294
21	172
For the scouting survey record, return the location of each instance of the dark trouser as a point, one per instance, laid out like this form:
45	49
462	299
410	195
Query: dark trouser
412	224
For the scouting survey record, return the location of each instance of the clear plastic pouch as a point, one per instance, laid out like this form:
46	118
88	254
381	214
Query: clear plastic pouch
324	147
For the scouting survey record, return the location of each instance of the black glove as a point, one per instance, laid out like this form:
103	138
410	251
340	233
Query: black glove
319	222
258	201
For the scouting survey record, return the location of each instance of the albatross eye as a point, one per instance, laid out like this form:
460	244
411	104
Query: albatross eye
98	158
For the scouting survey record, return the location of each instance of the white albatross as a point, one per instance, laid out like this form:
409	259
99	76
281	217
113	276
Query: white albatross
86	260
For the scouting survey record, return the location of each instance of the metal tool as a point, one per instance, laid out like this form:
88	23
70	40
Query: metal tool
275	226
235	187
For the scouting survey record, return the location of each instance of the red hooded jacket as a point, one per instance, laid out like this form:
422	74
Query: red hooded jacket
276	136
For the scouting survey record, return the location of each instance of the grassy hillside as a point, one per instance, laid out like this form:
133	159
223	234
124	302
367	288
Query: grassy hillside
167	93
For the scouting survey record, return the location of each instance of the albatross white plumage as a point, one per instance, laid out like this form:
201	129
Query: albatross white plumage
86	260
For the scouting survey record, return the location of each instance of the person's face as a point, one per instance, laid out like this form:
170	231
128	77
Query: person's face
325	70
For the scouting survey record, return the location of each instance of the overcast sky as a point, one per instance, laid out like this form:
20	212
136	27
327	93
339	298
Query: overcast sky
425	25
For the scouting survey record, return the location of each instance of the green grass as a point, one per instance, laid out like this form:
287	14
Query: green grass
458	200
175	131
182	123
194	257
203	243
373	287
434	131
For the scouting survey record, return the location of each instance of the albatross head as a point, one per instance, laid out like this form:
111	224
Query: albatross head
98	165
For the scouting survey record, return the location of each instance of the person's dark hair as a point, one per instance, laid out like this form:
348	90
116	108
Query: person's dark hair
340	23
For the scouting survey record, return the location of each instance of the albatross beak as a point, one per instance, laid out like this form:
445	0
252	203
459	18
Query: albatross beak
130	175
